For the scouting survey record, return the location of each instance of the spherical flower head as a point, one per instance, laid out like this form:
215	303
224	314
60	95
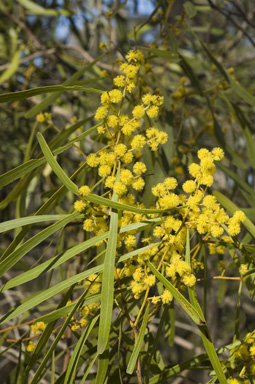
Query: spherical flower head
138	184
126	176
206	180
153	112
155	299
162	137
138	112
239	216
166	297
101	130
138	274
216	230
112	121
79	206
189	186
109	182
252	350
128	158
139	168
88	225
119	188
194	170
120	149
105	99
115	96
104	170
218	154
101	113
138	142
170	183
130	241
206	162
210	202
92	160
203	153
40	117
234	228
130	87
233	381
84	190
38	327
135	56
182	268
159	231
170	270
169	201
189	280
148	99
159	190
119	81
30	346
150	280
243	269
128	128
130	70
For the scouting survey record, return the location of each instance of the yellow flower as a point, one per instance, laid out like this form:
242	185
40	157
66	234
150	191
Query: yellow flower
119	188
239	216
38	327
112	121
189	280
105	99
79	206
109	182
126	176
171	270
138	142
119	81
120	149
194	170
130	87
30	346
104	170
150	280
88	225
203	153
130	241
139	168
92	160
189	186
170	183
127	158
40	118
243	269
138	184
84	190
101	130
115	95
101	113
166	297
138	112
218	154
153	111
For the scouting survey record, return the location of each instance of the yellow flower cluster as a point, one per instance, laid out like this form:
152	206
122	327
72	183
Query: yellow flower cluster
242	360
38	327
194	209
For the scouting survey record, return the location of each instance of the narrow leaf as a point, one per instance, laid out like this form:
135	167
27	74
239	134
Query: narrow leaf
138	344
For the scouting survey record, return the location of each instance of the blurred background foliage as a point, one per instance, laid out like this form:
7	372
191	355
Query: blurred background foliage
199	56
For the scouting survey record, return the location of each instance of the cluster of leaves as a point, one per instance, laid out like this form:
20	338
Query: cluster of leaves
104	306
